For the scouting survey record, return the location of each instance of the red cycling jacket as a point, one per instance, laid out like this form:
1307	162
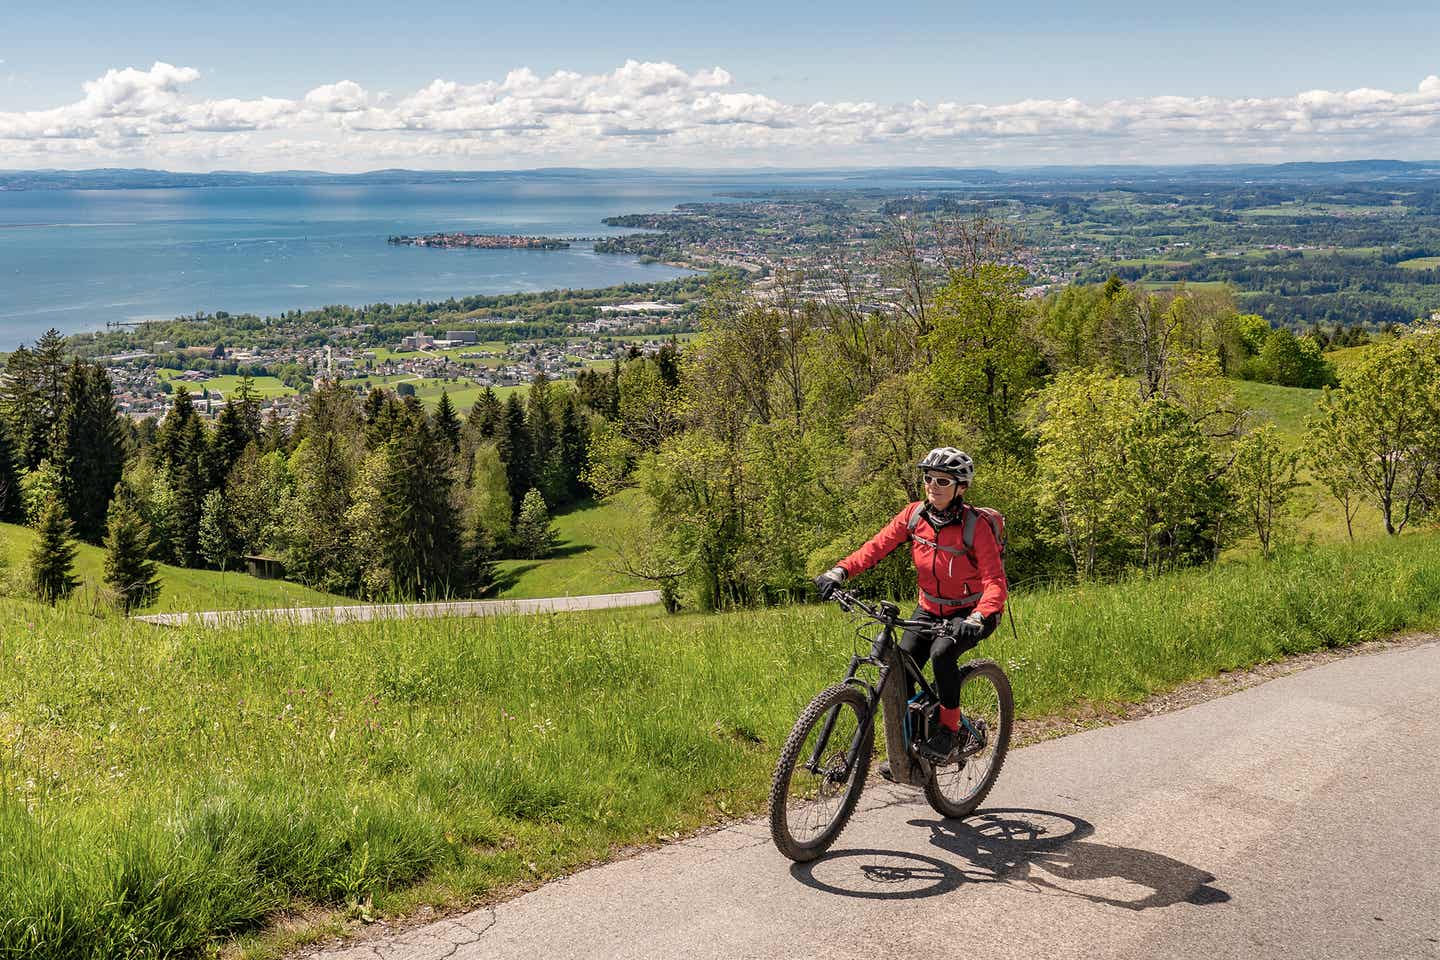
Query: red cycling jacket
948	578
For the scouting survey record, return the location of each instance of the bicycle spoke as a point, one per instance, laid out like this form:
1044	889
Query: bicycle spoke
815	798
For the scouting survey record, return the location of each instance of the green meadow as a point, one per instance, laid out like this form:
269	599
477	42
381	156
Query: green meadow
169	790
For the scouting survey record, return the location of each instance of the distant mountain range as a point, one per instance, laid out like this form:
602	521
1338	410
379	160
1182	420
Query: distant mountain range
1348	171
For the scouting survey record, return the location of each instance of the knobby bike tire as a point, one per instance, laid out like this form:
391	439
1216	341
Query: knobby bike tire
999	740
790	755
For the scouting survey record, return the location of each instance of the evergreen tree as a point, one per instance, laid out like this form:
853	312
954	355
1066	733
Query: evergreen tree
513	442
479	429
374	404
545	470
667	358
189	476
12	505
534	535
53	557
447	422
320	548
89	449
273	435
417	527
50	364
572	453
247	404
129	571
232	435
486	414
167	437
32	397
389	421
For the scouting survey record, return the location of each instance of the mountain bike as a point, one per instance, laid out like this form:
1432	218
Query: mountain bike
823	765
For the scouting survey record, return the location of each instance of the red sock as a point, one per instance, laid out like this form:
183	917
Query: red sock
950	717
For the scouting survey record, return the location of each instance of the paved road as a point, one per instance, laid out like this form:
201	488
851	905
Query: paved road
401	611
1292	819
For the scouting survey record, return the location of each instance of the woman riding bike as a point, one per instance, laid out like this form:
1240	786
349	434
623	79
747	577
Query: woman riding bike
962	587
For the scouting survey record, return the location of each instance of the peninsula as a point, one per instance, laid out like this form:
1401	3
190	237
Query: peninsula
483	241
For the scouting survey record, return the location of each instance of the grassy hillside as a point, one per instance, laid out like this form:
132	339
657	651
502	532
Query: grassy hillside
181	589
1319	516
165	788
586	556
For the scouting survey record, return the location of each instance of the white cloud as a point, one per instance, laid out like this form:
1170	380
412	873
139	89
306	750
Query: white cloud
658	113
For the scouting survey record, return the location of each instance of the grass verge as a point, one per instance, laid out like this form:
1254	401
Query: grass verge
182	589
166	790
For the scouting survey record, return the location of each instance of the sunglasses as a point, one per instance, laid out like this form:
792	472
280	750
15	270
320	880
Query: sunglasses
941	482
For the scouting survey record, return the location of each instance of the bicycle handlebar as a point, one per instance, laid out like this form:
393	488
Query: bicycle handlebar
883	612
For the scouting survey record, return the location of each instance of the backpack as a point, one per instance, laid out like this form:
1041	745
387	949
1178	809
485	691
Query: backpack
971	516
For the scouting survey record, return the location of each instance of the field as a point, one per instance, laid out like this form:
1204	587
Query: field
265	387
463	393
165	789
586	554
182	589
1420	263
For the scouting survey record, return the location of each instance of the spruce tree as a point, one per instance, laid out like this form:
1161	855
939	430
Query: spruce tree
53	557
322	549
486	414
572	450
129	571
229	440
21	406
512	439
247	403
273	435
478	431
420	533
374	404
534	536
188	477
447	422
12	504
388	421
545	469
89	449
167	437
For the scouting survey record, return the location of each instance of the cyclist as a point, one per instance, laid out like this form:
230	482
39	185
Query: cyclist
963	589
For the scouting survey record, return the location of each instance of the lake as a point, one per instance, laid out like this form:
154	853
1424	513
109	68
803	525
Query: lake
77	259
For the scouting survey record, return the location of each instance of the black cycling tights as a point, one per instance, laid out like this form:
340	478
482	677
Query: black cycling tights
945	655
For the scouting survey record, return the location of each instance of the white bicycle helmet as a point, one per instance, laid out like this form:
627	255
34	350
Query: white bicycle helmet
957	463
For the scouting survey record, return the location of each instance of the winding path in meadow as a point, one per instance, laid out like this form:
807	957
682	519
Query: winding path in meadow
402	611
1293	819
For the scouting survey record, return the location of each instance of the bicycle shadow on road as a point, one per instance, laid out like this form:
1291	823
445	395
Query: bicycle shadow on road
1039	851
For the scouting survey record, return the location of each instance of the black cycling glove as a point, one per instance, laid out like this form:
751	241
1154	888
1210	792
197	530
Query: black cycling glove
828	582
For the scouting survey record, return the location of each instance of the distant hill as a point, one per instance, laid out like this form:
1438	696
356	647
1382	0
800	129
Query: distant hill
1298	172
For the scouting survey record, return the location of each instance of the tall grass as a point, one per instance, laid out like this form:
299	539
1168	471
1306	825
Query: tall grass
163	789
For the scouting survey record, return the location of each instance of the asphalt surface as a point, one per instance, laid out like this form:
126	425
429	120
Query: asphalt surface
402	611
1295	819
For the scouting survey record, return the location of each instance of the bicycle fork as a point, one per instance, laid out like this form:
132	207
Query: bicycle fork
856	744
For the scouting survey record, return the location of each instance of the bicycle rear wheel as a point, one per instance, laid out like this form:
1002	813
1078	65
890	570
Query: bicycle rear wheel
987	702
815	787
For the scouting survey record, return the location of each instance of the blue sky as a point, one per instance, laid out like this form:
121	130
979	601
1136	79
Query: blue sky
796	54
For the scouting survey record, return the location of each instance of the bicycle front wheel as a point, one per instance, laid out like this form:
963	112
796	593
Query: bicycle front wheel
820	773
988	705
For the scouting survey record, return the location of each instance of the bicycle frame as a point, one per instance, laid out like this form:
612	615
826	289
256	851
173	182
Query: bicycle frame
888	616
